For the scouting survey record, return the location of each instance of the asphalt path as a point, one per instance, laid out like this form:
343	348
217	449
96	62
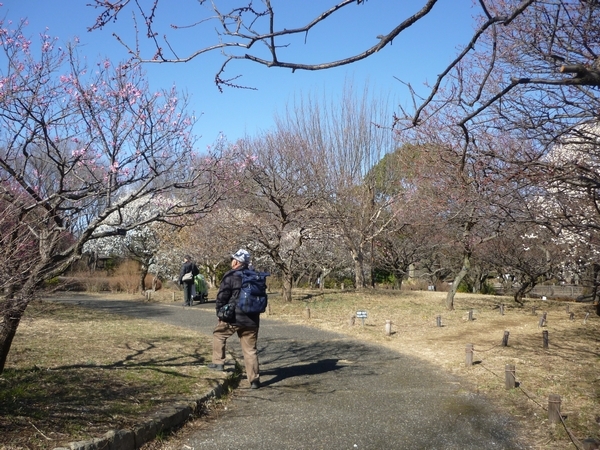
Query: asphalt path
322	390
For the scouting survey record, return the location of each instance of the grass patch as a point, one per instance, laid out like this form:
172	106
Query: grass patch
569	367
74	374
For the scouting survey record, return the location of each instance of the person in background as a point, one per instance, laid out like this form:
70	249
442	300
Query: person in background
186	278
245	325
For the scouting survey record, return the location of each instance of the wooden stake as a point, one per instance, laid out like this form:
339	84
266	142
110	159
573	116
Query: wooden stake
307	312
388	327
509	376
554	408
505	339
438	321
469	355
545	338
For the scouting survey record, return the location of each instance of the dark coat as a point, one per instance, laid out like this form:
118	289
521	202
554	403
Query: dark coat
229	291
186	268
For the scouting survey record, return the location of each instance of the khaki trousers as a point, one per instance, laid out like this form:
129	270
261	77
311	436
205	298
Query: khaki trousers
248	337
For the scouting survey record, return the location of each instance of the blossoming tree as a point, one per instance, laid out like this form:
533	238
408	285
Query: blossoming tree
78	145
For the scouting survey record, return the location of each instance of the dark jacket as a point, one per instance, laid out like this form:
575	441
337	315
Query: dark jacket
229	290
186	268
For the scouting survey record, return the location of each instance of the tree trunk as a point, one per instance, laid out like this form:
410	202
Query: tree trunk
324	272
595	300
359	269
398	281
143	273
523	289
12	311
287	288
212	275
459	277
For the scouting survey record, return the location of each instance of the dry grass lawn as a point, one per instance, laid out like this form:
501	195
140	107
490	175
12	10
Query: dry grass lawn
74	374
63	357
569	367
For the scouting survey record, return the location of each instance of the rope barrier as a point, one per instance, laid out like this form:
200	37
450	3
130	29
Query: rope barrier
576	442
485	351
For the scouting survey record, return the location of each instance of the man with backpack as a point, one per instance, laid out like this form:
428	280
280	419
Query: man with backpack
233	319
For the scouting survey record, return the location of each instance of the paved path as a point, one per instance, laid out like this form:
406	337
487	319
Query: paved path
323	390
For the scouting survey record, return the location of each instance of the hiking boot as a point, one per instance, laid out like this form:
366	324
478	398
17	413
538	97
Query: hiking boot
213	366
255	384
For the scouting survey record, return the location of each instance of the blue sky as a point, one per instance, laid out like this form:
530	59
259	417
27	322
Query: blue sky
416	56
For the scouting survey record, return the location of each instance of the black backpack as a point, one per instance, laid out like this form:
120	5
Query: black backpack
253	294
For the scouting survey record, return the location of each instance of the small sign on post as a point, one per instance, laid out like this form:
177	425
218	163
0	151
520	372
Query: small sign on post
362	315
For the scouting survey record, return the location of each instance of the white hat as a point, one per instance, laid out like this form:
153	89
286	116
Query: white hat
242	256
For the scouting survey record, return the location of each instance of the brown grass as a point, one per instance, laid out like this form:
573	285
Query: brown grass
74	374
86	361
568	367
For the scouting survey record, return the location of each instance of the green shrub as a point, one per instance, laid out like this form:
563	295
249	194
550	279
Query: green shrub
465	287
52	282
487	289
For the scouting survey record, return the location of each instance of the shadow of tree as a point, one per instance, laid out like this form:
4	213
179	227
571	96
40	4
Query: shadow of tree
137	360
85	400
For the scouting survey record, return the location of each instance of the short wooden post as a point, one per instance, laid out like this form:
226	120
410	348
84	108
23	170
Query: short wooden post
351	320
533	308
509	376
505	339
586	318
554	408
307	312
268	309
501	309
438	321
388	327
568	309
470	315
545	338
469	355
542	320
571	316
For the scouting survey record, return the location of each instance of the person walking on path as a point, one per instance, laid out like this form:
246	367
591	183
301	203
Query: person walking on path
186	278
245	325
